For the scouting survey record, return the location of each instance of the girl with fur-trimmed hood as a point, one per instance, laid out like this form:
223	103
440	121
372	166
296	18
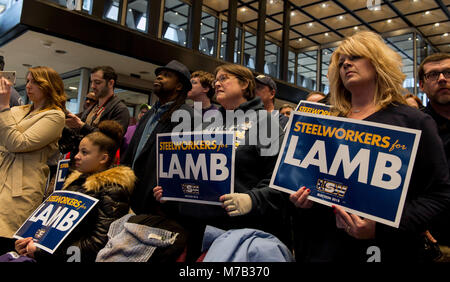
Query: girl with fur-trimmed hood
95	177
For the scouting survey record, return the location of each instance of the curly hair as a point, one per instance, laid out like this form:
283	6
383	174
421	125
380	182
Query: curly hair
387	64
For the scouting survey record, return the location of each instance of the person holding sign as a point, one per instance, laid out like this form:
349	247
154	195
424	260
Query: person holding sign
94	177
366	84
171	86
253	204
29	137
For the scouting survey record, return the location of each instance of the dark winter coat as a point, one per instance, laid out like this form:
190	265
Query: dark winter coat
112	188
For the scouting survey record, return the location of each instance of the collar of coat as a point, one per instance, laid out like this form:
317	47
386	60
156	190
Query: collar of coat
121	175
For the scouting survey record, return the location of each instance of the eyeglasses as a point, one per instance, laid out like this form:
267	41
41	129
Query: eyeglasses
221	79
434	75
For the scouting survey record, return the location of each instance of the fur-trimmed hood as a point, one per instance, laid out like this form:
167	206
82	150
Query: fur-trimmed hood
120	175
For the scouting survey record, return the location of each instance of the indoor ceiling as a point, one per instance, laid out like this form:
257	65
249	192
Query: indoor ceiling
318	22
38	49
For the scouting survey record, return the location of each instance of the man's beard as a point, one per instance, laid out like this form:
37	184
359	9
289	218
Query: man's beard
441	99
103	92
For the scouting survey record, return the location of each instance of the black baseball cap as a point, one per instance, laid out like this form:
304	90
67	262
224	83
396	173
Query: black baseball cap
266	80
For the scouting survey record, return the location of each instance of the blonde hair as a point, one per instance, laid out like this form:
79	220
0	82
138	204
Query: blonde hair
243	74
387	64
51	84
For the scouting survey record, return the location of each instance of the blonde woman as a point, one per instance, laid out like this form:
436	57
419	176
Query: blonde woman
366	83
29	136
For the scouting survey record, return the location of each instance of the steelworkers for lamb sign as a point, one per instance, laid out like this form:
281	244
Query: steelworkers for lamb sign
364	167
55	218
197	168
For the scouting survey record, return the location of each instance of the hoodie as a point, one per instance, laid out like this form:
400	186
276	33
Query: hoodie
254	165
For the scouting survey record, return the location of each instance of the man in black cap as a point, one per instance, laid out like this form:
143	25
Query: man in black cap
15	99
170	86
266	89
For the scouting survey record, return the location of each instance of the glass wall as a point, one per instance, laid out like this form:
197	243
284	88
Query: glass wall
272	59
307	70
237	42
326	57
291	67
303	67
112	10
208	34
137	11
87	6
249	50
176	22
404	46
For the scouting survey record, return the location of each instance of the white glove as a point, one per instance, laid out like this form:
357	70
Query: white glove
237	203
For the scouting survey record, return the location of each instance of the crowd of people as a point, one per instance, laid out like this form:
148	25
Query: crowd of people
115	161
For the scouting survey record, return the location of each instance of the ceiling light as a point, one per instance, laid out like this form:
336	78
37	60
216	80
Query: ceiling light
389	21
341	17
300	39
292	14
72	88
445	34
243	9
326	34
436	24
324	5
310	24
427	12
355	28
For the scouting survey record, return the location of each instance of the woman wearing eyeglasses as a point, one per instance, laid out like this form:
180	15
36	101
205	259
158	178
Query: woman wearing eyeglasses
366	83
254	204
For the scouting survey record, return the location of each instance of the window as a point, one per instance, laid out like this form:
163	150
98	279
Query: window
271	59
237	43
87	6
176	18
326	58
404	45
249	50
137	15
112	10
422	52
208	34
307	69
291	67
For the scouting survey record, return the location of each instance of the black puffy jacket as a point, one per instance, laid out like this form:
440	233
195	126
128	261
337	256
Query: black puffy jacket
112	188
